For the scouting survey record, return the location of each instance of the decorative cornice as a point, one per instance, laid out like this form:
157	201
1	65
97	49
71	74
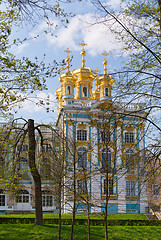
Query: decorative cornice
70	122
94	123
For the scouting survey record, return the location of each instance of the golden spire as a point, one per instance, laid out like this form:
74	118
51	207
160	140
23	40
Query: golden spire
67	59
105	54
83	53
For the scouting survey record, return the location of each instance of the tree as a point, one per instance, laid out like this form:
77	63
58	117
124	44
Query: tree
138	26
22	77
35	173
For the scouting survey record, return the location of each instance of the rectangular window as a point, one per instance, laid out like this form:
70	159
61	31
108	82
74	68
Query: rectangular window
110	187
155	189
2	200
81	135
129	137
130	188
81	186
47	201
22	199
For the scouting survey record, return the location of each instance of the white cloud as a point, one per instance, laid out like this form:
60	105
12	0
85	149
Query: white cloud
19	49
32	105
82	27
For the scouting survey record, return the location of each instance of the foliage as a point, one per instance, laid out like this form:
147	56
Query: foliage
19	77
81	221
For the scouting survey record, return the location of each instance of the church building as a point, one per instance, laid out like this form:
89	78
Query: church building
102	136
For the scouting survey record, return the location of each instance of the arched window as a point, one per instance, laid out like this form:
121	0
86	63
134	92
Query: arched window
23	196
106	91
129	155
106	159
84	92
82	157
47	198
68	90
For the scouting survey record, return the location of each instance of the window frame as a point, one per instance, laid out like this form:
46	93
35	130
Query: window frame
108	153
47	198
23	197
2	199
81	135
111	189
106	93
85	93
69	90
156	189
129	137
82	159
129	157
81	186
130	188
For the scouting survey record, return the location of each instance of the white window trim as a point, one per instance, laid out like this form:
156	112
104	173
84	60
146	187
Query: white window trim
114	186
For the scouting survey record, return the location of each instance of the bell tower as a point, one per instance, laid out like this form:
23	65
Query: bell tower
105	82
67	81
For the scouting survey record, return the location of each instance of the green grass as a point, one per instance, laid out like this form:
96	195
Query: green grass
81	216
50	232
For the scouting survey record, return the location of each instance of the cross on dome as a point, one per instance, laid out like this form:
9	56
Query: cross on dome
67	59
105	54
96	70
83	53
83	44
67	51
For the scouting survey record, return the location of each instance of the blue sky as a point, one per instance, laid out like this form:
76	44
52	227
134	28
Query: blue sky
81	27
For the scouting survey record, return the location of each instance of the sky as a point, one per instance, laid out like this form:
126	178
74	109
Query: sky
80	28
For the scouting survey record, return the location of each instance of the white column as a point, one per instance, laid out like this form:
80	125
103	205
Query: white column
95	172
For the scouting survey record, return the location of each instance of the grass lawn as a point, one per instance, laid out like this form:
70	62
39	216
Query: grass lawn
50	232
81	216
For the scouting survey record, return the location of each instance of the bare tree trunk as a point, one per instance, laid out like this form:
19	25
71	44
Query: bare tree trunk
60	211
106	205
88	213
74	203
74	188
35	173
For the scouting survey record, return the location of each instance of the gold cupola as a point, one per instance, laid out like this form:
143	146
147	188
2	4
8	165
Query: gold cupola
67	80
85	78
105	82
